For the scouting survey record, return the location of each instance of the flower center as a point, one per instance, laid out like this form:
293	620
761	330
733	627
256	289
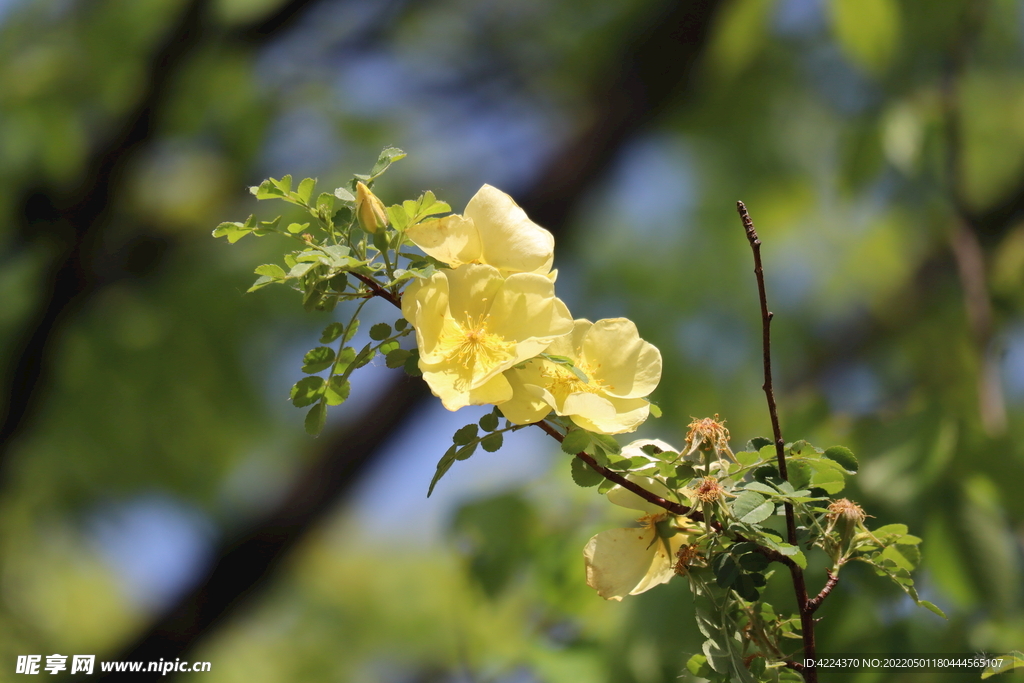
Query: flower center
562	382
473	346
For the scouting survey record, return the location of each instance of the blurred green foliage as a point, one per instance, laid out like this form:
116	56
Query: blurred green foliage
827	117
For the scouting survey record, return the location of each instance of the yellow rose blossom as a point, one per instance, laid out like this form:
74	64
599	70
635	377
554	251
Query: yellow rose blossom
623	562
620	367
493	230
472	324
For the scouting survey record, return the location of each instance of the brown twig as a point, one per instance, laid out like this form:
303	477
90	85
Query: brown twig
378	290
810	673
815	602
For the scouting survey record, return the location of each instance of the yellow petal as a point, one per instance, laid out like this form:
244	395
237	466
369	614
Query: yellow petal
425	305
526	310
627	366
453	239
627	499
624	562
528	403
510	240
451	384
627	414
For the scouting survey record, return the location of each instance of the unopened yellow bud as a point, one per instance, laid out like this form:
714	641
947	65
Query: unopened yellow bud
369	209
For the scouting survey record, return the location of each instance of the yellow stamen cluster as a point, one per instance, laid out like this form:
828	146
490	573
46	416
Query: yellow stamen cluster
473	344
563	382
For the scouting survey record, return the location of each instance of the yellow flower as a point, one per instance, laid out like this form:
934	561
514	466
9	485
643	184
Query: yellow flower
620	367
370	209
623	562
492	230
472	324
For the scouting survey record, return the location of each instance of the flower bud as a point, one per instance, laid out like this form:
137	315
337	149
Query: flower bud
369	209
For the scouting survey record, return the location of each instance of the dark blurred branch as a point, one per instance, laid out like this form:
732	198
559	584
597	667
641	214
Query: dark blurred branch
657	65
964	239
658	61
76	218
245	562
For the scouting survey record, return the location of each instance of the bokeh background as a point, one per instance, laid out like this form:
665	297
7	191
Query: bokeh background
158	496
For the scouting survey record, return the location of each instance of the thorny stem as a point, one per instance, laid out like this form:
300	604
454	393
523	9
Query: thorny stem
671	506
377	289
815	602
810	673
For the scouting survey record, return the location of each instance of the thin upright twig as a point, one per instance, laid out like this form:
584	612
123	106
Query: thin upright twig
810	673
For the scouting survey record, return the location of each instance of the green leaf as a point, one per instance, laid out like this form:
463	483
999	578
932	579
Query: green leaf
315	419
388	156
931	607
576	441
268	189
443	465
396	358
759	514
844	456
325	202
412	364
307	391
344	195
800	473
489	422
296	228
331	332
305	190
655	410
753	562
398	218
317	359
726	571
300	269
345	359
904	556
584	475
699	667
492	442
271	270
746	502
284	184
380	331
1011	661
364	356
760	488
338	390
260	283
748	457
758	442
351	332
466	451
608	443
233	231
465	435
